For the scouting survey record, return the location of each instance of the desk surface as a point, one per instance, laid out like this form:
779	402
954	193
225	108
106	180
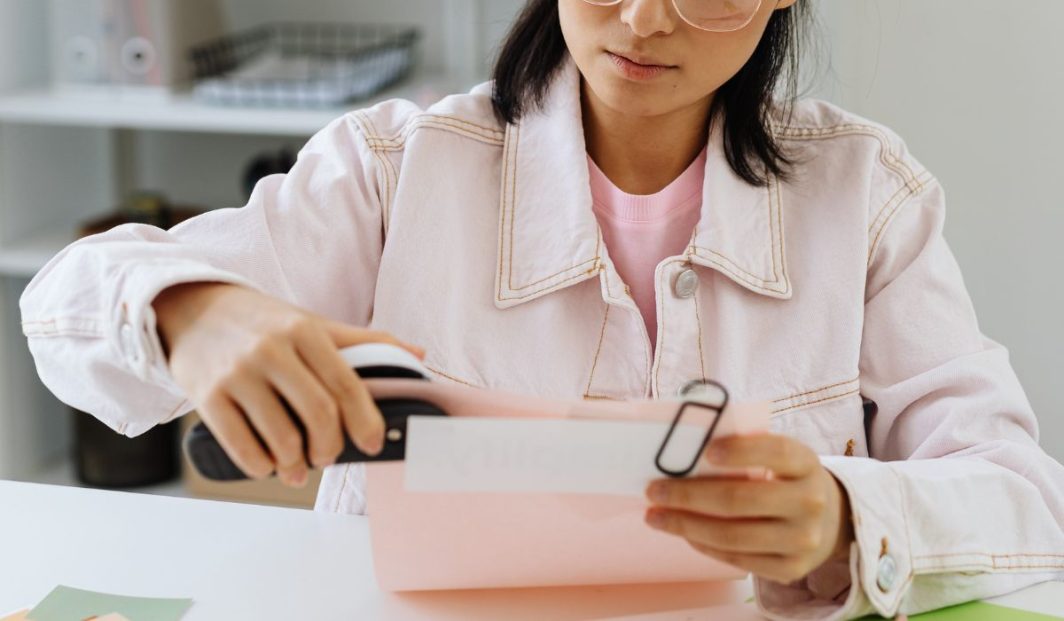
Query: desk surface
241	561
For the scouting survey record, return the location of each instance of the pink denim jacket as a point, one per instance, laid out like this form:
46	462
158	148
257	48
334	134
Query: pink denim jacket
476	240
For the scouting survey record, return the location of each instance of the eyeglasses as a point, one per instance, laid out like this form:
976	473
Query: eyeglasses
711	15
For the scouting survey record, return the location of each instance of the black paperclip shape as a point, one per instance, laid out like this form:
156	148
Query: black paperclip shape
709	433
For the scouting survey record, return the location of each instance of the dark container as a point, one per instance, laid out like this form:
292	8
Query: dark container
103	458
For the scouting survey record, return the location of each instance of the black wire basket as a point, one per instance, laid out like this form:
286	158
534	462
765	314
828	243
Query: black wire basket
303	65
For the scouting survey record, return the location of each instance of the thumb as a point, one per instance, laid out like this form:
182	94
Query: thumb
345	335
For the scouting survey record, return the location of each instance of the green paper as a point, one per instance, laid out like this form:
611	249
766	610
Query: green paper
982	611
978	611
67	604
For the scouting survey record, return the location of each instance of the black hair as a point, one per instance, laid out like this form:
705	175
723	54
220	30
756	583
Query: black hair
534	49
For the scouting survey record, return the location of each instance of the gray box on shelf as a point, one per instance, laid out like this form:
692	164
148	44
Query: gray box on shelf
128	48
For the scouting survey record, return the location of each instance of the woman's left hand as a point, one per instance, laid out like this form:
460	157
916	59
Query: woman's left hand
779	528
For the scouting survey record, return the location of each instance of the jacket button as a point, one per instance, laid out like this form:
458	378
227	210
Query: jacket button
685	284
886	572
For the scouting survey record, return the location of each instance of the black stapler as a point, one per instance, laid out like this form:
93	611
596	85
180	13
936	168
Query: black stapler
371	360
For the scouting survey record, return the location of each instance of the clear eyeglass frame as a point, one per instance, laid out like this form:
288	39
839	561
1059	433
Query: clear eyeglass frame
709	15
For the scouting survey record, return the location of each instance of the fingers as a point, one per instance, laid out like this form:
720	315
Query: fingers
230	428
785	456
760	536
359	413
778	568
343	335
263	408
736	498
309	400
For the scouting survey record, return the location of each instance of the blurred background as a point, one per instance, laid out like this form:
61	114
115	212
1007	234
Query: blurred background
154	110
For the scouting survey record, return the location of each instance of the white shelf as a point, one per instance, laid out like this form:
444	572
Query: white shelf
181	112
26	257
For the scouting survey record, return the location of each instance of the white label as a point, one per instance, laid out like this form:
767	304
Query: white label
476	454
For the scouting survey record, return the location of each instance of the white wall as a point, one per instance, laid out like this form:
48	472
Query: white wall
23	38
977	88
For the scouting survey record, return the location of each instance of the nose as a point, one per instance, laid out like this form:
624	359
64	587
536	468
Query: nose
647	18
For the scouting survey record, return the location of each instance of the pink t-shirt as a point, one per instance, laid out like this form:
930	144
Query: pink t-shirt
641	230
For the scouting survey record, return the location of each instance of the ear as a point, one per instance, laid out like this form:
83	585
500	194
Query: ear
783	4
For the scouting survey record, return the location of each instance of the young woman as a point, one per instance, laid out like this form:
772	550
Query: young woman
626	208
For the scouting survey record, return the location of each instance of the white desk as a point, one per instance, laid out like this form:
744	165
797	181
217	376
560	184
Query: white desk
251	562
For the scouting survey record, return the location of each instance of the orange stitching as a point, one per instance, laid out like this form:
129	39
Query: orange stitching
913	182
443	119
512	177
56	319
778	230
775	218
925	175
399	146
783	240
361	120
387	210
598	350
598	243
886	155
67	332
887	221
46	327
904	517
513	218
752	277
450	377
592	260
606	279
646	342
802	394
170	416
990	554
600	397
513	205
999	568
387	145
901	194
391	177
802	405
502	208
393	186
530	294
701	354
762	284
660	295
513	201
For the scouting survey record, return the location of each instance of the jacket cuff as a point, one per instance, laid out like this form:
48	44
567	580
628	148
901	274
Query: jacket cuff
132	329
880	562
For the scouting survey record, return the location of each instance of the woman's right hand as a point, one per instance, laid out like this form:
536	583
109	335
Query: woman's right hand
237	352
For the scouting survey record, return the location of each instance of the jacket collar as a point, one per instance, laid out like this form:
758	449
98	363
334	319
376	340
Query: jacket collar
548	235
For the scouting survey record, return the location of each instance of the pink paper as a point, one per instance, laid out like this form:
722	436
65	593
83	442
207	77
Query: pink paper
428	541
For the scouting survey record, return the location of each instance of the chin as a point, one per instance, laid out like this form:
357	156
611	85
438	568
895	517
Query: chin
630	98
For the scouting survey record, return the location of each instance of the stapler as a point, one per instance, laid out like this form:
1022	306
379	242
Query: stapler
369	360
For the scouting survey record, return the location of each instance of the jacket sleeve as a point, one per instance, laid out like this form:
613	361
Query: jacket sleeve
312	237
957	500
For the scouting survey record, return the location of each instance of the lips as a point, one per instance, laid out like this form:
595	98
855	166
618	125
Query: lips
640	59
636	67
